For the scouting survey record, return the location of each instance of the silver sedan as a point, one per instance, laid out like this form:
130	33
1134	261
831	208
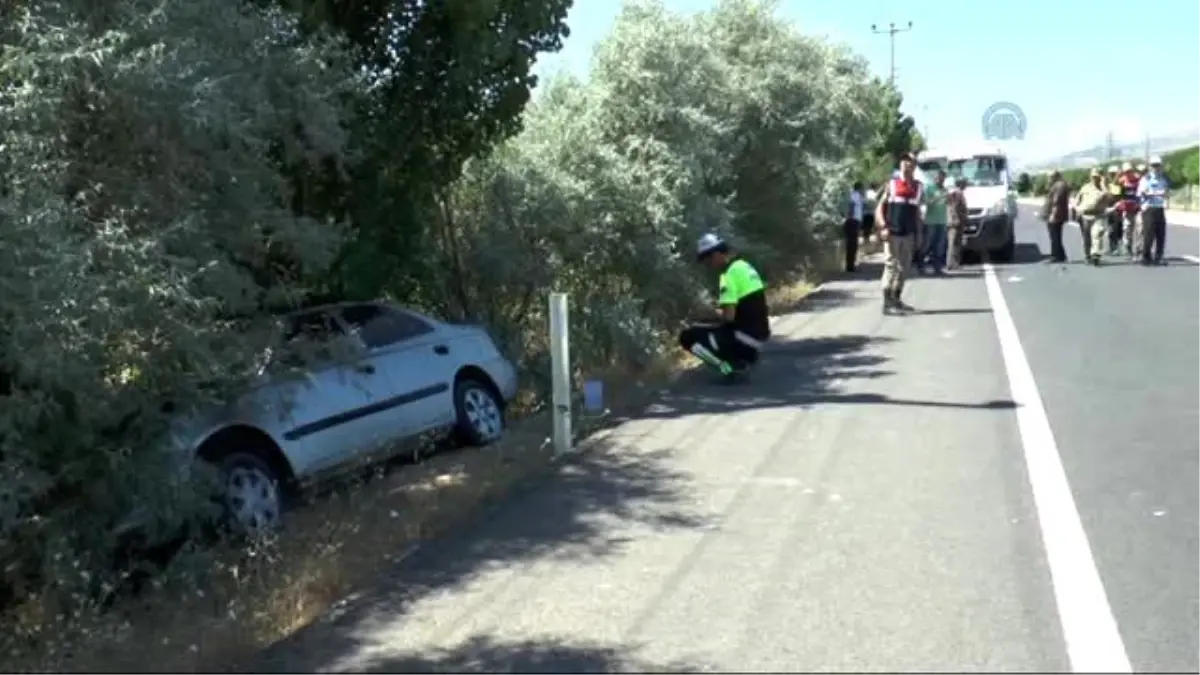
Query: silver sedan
375	376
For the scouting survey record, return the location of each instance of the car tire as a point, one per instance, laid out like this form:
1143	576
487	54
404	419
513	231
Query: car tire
478	412
251	493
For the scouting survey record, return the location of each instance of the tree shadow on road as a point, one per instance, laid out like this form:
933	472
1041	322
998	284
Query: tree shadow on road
578	511
799	373
482	654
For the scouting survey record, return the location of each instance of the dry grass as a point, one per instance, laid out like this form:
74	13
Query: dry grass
248	599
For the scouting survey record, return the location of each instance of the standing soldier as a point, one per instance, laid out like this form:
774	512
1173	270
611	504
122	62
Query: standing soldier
898	218
1091	204
956	220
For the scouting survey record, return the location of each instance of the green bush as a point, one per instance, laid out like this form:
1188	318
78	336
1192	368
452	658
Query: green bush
147	149
1024	184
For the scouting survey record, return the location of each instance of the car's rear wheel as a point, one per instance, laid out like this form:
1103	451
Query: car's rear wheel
479	412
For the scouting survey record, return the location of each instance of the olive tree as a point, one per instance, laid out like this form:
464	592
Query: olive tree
146	221
728	121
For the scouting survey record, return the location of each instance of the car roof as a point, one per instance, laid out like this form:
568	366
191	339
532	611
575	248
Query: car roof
332	307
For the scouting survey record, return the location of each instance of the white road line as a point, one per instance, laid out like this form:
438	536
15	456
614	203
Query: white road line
1089	628
1191	258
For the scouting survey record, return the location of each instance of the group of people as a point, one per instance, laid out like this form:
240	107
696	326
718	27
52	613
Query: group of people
1122	212
920	225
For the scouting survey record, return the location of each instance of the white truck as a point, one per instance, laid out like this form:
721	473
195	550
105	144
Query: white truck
991	196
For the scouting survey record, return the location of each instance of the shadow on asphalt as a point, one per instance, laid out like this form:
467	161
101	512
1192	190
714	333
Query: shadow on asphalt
800	373
947	312
568	512
572	513
481	654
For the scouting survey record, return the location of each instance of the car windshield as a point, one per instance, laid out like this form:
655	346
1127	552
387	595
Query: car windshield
981	171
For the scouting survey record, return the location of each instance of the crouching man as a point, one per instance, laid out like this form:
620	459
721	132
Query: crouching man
730	344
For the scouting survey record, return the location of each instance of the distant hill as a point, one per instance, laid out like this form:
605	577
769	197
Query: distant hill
1159	145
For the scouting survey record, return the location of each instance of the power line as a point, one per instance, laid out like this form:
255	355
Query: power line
891	32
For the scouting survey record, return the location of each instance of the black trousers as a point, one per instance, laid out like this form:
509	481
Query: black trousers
1057	252
720	340
850	233
1116	230
1154	230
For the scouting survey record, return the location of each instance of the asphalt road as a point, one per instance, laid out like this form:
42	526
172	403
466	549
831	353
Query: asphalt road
1006	481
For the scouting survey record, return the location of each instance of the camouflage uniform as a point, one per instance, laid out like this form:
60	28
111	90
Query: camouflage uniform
1091	203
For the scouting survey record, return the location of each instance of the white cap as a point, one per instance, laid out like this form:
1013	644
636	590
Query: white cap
1155	160
1113	168
1127	166
707	244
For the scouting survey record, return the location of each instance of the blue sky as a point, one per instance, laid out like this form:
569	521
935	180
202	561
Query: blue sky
1047	57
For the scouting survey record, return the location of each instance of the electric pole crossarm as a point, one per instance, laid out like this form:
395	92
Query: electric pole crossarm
891	32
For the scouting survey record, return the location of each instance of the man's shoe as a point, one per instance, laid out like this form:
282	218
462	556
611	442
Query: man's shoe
889	304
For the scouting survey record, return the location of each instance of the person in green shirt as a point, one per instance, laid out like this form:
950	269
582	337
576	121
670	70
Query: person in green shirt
935	224
732	343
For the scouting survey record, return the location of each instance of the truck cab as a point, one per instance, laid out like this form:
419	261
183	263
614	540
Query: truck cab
991	197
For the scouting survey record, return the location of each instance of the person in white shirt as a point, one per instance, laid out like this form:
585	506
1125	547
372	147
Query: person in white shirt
852	227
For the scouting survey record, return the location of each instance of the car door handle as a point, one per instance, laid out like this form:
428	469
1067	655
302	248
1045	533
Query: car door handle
366	368
441	349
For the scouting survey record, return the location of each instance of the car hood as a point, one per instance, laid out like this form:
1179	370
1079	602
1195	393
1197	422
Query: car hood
984	197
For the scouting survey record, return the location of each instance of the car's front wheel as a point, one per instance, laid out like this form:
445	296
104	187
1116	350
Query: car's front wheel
251	492
478	411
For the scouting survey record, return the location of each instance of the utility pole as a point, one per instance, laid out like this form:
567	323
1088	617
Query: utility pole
891	31
1108	146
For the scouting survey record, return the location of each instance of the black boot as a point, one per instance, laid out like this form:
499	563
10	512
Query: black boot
898	303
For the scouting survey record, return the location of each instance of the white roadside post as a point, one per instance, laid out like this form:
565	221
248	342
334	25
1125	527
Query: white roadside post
560	372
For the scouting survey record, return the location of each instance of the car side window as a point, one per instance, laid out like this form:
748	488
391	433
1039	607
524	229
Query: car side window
380	326
310	337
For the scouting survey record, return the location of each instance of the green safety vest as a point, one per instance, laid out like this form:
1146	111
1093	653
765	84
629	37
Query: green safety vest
739	280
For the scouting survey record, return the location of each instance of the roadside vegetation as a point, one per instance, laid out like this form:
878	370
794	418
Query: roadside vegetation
178	172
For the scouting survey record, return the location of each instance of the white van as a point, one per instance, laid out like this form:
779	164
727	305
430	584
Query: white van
991	197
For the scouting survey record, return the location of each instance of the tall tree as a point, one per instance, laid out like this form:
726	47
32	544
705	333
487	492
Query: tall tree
895	134
445	82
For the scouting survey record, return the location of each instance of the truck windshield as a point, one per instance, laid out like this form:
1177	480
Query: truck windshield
931	166
980	171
